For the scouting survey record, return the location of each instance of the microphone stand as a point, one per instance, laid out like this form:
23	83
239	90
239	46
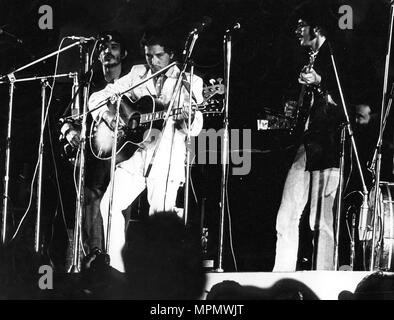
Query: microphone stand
353	144
227	46
188	148
339	197
105	101
112	178
372	164
44	84
80	201
353	242
7	160
43	58
73	103
380	139
70	75
12	80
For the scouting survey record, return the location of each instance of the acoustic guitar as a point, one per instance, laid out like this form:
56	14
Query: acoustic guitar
138	117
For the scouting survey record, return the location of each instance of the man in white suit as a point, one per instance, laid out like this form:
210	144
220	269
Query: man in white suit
167	173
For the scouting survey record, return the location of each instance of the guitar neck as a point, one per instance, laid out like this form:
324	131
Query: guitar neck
158	115
307	68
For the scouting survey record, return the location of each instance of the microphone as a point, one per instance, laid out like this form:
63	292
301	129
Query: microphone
2	31
104	38
236	26
206	21
80	38
362	225
99	38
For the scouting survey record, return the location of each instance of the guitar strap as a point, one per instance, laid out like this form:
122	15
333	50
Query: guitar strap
180	82
159	83
186	84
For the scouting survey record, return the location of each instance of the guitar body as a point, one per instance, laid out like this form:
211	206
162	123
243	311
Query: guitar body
304	106
132	133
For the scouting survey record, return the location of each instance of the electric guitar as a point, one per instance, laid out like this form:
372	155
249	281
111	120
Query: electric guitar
306	93
295	112
137	118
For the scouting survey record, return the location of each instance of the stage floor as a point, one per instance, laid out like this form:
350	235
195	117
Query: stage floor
327	285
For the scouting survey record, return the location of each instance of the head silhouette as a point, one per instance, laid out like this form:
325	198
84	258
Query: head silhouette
163	259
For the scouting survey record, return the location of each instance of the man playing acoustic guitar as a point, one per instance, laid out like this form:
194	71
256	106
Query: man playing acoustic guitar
167	172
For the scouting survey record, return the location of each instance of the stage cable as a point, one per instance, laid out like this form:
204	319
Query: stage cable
351	168
191	182
29	204
345	188
75	171
347	223
82	247
57	183
169	165
230	224
52	233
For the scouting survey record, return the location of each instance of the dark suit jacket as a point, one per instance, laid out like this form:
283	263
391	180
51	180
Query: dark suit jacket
322	138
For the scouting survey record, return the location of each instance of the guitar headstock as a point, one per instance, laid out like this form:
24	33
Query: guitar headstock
212	106
312	57
215	88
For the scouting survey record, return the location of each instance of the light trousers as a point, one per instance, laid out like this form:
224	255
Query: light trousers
129	182
321	186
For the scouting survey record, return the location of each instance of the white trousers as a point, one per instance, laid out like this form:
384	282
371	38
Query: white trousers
129	182
321	186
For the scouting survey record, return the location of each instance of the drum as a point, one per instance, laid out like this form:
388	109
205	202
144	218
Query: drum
384	227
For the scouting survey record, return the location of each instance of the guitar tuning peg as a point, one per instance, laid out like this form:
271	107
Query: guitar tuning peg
212	81
220	80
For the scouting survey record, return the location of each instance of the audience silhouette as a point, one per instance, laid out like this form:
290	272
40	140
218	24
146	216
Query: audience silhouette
163	259
284	289
375	286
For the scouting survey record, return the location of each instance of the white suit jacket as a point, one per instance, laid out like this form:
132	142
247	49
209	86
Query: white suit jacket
169	162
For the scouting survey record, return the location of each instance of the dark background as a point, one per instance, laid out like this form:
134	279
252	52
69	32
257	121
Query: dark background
266	61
